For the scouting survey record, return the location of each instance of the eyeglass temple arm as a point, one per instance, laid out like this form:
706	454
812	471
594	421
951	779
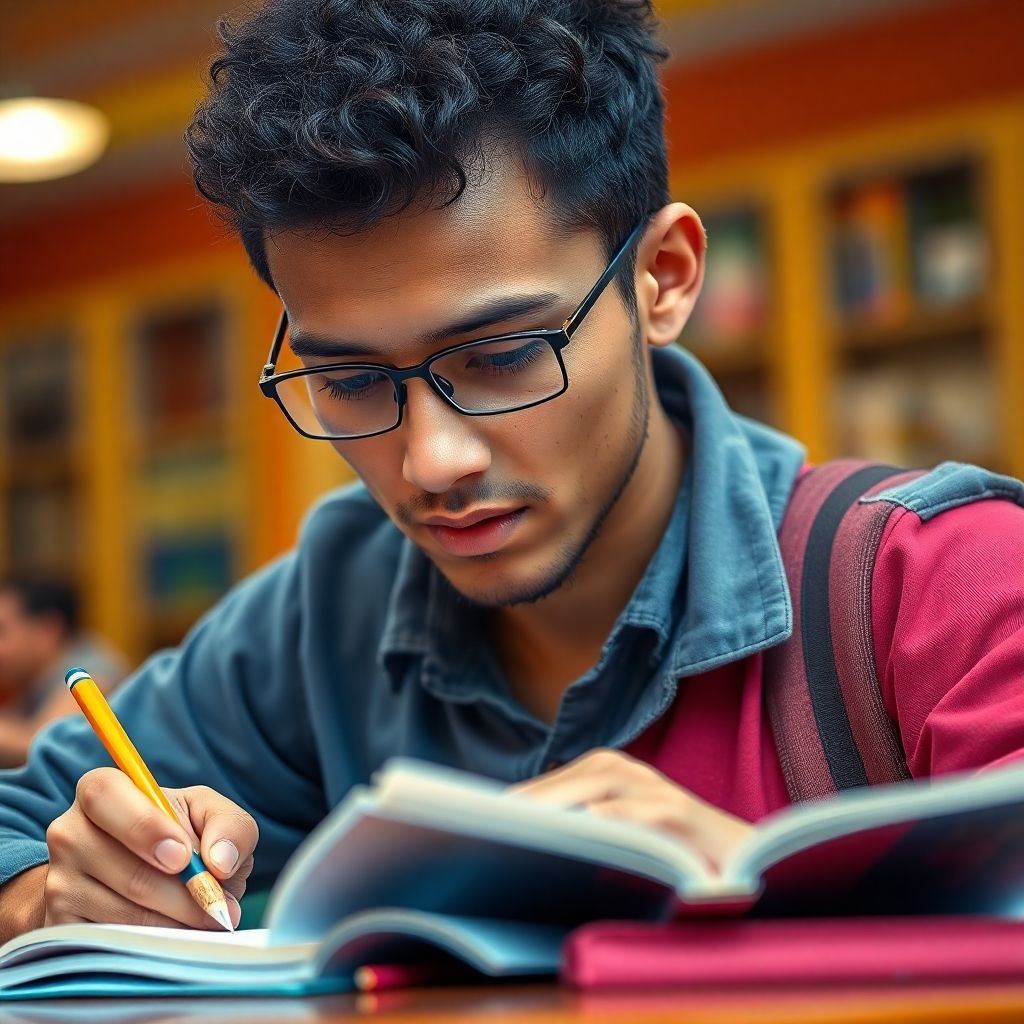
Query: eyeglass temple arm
275	348
611	270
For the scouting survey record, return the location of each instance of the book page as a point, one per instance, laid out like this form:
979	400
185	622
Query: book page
807	825
431	838
181	944
410	786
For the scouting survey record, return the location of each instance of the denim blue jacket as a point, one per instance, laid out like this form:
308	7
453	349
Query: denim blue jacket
353	648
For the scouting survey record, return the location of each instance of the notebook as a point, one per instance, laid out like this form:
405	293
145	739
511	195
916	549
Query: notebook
866	951
428	862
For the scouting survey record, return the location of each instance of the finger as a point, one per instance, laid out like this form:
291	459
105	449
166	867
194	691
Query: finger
711	833
233	886
227	834
236	883
109	799
87	899
181	808
234	907
148	888
651	813
119	910
569	789
596	775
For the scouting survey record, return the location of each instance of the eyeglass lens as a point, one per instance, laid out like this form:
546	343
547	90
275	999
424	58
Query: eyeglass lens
497	376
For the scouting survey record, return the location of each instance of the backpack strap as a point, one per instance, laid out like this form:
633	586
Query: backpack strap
824	701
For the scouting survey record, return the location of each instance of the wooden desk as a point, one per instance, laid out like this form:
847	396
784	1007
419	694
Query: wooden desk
548	1004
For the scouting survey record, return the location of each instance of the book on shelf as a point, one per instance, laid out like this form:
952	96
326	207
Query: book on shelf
871	255
431	865
37	406
185	572
909	243
918	411
733	304
42	525
949	243
187	506
181	367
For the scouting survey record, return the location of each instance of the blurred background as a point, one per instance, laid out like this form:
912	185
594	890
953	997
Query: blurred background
859	165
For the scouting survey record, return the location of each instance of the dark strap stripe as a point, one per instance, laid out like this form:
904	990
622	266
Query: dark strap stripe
787	693
851	584
844	761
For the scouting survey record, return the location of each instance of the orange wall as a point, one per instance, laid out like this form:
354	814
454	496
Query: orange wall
160	223
939	56
30	33
920	59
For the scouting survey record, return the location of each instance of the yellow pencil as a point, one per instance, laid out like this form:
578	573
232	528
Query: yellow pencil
205	889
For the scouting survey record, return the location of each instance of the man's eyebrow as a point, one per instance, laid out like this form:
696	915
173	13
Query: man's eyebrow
494	311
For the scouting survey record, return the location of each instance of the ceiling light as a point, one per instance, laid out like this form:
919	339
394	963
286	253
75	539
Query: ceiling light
43	138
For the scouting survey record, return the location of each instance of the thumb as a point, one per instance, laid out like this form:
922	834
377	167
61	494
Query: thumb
227	834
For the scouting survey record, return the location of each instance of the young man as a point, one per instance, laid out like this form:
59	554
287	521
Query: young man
562	560
40	635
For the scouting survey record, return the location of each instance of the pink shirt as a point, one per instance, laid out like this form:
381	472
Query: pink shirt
948	625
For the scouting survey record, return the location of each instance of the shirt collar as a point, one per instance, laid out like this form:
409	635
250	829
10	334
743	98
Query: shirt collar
715	589
737	598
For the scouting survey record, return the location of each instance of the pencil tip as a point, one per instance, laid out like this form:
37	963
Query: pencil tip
222	917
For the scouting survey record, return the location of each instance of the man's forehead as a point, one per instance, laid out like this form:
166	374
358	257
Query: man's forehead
499	223
437	242
398	283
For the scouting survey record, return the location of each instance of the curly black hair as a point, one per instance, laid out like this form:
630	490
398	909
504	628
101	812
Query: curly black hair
341	112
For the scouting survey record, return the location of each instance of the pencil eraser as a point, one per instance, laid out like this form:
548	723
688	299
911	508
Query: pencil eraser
74	675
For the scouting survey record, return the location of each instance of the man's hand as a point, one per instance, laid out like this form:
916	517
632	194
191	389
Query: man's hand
115	858
616	785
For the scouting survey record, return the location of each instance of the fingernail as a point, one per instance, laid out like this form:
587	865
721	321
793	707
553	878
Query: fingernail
171	854
224	855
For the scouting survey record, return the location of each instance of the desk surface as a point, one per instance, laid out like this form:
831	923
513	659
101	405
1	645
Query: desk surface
548	1004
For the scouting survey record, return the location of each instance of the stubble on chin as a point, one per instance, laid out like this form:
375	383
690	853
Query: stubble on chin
507	593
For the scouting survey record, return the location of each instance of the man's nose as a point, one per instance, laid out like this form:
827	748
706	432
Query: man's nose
441	445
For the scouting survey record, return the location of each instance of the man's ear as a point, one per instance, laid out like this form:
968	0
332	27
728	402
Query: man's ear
669	272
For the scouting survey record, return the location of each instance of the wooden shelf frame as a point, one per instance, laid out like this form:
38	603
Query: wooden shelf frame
809	343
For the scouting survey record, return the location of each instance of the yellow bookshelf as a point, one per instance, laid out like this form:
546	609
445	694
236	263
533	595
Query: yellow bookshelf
932	358
731	328
39	450
170	494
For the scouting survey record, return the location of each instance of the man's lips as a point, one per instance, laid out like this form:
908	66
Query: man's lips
470	518
480	533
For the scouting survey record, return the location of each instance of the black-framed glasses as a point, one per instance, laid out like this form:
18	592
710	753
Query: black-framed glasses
486	377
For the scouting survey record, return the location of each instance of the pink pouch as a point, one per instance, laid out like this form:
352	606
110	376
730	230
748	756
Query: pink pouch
618	954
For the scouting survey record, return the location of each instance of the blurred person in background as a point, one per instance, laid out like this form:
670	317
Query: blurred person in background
40	638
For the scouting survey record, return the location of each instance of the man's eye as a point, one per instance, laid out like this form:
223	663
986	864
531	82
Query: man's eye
509	360
352	387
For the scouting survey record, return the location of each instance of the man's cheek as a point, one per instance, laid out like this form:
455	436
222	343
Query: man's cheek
363	464
378	494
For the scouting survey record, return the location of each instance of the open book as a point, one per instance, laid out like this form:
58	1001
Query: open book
430	864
